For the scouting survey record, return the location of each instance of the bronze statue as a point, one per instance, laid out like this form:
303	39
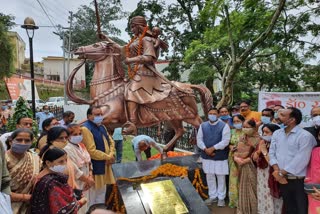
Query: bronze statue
147	97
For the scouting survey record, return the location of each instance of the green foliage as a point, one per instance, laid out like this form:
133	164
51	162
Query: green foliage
22	110
6	49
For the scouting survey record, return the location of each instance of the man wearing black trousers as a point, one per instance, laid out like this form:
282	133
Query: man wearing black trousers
289	154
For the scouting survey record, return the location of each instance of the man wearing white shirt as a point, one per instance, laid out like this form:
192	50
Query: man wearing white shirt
289	154
213	139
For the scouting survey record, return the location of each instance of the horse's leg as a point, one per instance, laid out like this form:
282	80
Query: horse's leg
178	130
196	122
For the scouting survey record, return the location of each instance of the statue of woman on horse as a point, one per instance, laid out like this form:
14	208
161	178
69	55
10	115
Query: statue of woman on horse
146	84
144	99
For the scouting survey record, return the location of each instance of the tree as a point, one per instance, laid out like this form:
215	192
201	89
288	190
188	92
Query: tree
248	45
22	110
6	49
255	45
84	30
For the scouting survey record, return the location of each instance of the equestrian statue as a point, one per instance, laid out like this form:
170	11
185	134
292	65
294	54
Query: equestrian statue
143	97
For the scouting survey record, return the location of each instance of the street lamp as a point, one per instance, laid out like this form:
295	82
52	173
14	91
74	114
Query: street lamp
30	26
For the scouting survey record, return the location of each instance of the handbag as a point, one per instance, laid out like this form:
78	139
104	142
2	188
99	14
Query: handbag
308	187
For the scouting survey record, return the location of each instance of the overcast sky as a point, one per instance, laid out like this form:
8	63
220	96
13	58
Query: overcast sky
45	43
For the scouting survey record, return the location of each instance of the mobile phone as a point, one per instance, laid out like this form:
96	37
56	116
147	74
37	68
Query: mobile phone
308	187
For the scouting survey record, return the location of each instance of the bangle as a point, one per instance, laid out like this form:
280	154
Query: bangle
23	197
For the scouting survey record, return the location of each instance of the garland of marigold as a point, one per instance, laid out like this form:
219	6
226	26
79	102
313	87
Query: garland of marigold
132	73
197	182
167	169
114	196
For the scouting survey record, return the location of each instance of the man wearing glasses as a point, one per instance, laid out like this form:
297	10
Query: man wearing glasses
245	111
23	122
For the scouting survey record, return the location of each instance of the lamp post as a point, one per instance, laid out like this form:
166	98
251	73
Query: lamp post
30	26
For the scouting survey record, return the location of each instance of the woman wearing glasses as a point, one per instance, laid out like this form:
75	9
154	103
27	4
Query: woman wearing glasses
23	168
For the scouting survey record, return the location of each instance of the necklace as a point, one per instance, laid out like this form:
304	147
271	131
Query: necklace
132	73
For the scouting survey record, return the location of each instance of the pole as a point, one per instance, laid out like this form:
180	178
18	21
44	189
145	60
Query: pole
32	79
64	69
69	50
97	17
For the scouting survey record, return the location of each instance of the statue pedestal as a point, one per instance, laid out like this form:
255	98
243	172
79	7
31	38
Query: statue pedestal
132	194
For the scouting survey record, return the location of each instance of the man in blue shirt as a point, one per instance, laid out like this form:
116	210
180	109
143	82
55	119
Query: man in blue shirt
42	115
144	143
289	154
118	141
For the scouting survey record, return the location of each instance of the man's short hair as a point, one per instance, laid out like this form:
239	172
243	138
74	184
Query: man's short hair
269	110
67	114
90	109
248	102
296	114
213	109
280	106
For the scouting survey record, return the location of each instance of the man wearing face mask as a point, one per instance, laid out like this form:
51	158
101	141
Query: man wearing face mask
315	115
42	115
213	139
266	118
245	111
102	151
23	122
276	109
289	155
67	118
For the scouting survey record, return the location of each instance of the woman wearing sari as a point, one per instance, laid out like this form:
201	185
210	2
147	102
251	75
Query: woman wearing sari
237	121
52	194
313	176
79	155
269	201
23	168
58	137
247	172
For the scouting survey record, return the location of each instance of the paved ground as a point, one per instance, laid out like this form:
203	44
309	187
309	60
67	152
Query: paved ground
221	210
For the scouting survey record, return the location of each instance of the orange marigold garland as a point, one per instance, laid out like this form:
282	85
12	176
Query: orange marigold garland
133	72
198	184
167	169
114	196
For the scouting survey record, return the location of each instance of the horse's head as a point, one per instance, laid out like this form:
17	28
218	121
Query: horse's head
95	51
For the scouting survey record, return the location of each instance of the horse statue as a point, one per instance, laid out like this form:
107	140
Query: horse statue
108	86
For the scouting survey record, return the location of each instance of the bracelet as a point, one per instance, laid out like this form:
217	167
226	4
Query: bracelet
23	197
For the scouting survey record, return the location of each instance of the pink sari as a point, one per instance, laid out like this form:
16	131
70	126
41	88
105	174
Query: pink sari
313	176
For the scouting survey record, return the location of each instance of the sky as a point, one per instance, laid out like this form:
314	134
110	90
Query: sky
45	42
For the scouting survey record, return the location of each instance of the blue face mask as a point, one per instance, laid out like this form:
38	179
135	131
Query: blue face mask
265	120
212	117
276	115
282	126
20	148
224	117
235	114
237	126
98	119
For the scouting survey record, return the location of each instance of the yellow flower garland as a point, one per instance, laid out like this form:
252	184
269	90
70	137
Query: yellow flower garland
197	182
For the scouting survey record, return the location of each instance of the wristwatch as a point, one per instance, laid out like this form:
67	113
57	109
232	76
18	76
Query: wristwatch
281	174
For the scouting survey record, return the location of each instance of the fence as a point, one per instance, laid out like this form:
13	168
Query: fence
57	111
182	143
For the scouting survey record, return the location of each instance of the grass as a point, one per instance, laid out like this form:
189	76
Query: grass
128	153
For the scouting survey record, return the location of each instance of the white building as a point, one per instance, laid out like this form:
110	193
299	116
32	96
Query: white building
53	70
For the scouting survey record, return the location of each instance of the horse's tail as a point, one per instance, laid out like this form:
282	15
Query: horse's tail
69	87
205	96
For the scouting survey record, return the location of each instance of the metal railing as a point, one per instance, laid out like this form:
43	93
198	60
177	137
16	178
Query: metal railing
182	143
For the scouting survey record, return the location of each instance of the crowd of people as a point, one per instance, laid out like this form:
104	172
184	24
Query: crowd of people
63	170
269	158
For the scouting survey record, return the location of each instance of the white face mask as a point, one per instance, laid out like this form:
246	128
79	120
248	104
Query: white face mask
316	120
58	168
266	138
76	139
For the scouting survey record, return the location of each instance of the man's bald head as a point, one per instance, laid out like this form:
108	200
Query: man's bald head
315	111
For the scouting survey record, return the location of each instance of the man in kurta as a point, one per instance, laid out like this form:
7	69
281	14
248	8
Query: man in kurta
102	151
213	139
